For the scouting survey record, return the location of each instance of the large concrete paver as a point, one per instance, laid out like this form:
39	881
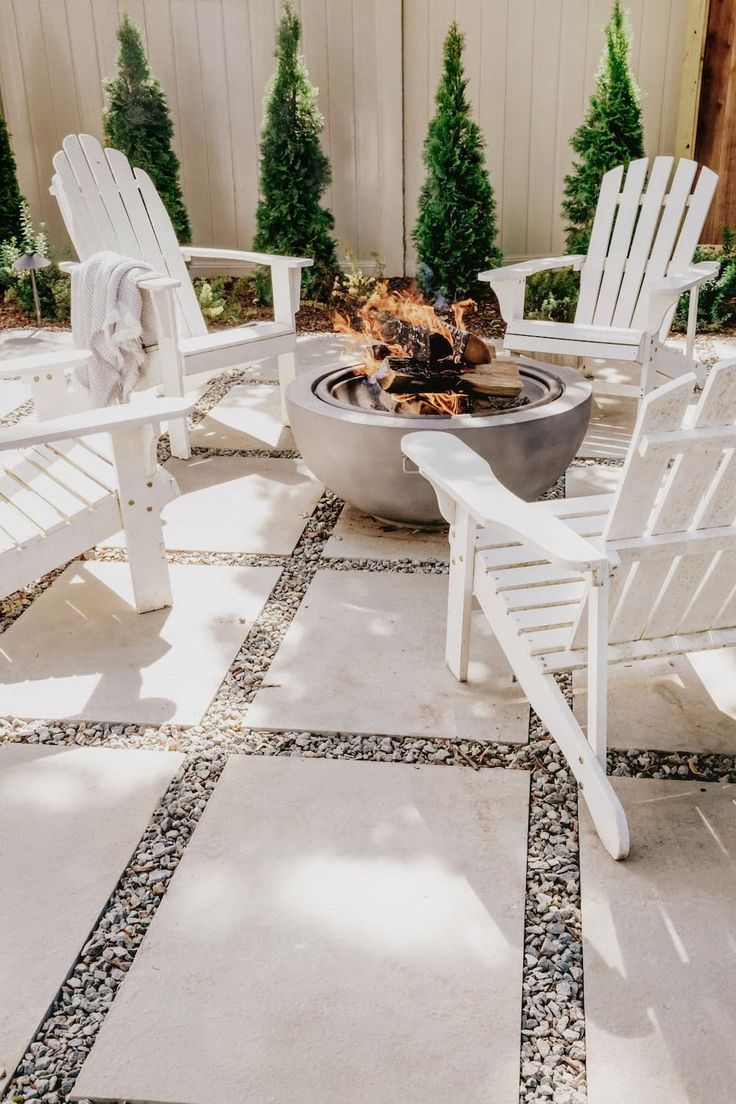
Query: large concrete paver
335	932
360	537
660	948
71	818
81	651
365	653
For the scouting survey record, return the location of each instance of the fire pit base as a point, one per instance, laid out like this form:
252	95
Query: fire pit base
356	451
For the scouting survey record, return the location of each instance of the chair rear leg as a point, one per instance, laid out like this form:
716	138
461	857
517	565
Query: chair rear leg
135	462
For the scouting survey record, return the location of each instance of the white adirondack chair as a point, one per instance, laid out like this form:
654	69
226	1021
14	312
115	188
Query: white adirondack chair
583	582
638	264
65	486
108	205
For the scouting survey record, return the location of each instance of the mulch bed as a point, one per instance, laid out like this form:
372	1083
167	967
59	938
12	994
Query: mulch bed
313	317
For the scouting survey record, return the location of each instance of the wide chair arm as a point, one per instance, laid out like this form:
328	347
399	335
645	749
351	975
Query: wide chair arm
464	478
664	293
273	260
108	419
286	275
509	281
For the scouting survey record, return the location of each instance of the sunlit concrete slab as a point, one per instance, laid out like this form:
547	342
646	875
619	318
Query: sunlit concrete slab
247	417
336	931
81	651
365	653
32	342
71	819
313	350
592	479
237	504
360	537
658	930
680	703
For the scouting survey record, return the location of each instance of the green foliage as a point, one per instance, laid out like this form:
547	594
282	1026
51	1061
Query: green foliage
294	170
455	231
210	298
611	133
137	122
552	295
54	290
10	197
717	300
355	282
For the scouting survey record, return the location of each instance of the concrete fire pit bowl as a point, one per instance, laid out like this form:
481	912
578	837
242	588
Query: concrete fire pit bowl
356	451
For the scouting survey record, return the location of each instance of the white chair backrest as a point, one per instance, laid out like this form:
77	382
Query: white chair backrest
647	229
673	519
106	204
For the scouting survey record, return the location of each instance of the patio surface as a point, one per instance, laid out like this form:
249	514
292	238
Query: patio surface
403	928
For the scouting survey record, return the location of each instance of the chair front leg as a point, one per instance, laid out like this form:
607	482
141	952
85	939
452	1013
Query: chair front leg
172	370
287	372
460	594
135	463
598	670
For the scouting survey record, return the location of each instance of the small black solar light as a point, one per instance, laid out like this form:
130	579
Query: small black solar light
29	262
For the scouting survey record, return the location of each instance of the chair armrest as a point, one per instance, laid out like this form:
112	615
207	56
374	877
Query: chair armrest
108	419
663	294
44	363
270	259
509	282
524	269
148	281
468	480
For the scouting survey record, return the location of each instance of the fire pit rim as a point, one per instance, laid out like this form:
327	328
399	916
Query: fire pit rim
574	389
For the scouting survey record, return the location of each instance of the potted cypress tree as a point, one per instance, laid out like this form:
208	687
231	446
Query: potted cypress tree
295	171
455	232
138	123
611	133
10	197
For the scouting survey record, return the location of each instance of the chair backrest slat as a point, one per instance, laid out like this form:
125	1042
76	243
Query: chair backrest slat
618	249
108	206
641	248
600	236
642	231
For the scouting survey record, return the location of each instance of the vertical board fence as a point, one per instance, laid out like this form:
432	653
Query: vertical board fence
531	66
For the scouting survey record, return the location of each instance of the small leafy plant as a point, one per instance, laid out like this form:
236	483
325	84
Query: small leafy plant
211	301
355	282
552	295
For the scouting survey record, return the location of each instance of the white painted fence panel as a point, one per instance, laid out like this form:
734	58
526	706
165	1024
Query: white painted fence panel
531	65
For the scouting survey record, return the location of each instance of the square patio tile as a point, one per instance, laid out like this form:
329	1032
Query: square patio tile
247	417
81	651
360	537
365	653
237	504
335	932
592	479
681	703
658	931
71	819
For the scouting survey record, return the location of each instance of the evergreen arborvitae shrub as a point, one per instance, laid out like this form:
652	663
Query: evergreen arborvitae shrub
455	231
611	133
294	170
138	123
10	197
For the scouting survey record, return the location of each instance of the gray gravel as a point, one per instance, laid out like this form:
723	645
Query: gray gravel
552	1026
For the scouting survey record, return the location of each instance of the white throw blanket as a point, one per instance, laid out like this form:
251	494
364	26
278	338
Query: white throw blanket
114	321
